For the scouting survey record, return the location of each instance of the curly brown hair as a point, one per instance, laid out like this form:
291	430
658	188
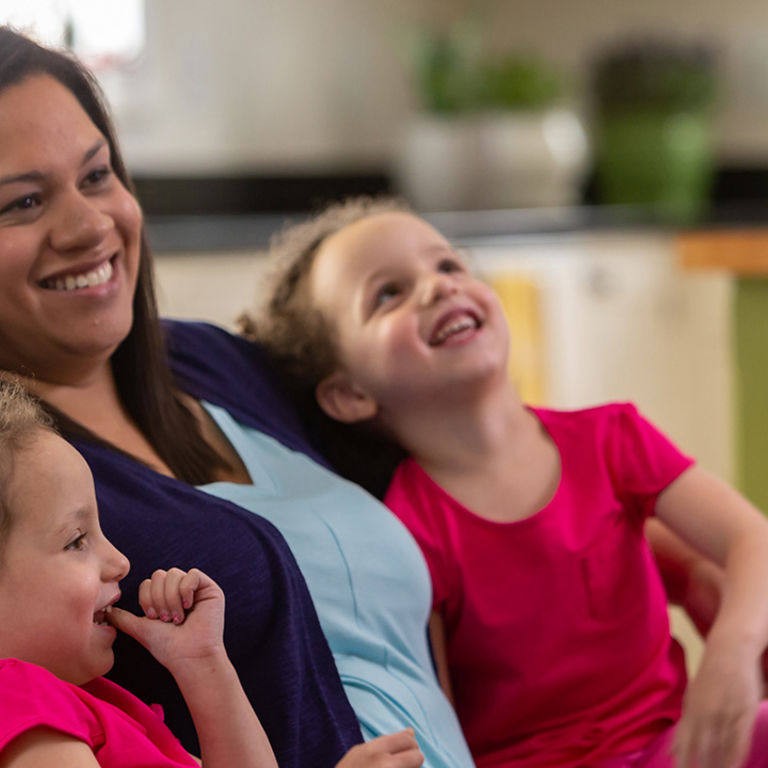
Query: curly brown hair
300	340
291	329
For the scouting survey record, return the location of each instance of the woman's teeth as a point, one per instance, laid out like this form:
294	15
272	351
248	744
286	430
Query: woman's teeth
85	280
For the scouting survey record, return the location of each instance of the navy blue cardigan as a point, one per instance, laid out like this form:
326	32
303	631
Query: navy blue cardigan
272	633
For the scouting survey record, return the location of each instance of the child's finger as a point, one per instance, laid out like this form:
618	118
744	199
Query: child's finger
189	584
401	748
158	593
145	599
125	621
411	758
394	743
172	596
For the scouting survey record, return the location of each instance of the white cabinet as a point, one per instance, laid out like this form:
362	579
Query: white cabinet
621	321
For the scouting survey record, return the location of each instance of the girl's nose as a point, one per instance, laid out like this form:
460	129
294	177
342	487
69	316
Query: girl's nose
79	224
117	564
438	286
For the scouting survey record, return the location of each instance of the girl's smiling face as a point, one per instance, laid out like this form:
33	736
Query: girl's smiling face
70	234
57	570
411	322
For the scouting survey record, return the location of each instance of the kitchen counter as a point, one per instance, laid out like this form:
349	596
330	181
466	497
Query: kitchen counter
238	232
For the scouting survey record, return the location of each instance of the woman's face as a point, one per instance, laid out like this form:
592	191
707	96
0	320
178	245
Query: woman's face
70	236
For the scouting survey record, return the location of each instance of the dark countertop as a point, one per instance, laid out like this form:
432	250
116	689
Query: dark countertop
241	212
233	232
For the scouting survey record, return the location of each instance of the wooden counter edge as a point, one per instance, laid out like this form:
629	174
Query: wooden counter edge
742	252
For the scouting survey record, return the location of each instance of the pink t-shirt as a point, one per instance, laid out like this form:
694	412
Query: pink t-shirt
557	632
122	731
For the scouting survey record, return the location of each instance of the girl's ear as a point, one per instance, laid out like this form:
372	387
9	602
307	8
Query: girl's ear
343	400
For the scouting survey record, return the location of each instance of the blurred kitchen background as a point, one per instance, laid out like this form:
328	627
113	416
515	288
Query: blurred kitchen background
606	162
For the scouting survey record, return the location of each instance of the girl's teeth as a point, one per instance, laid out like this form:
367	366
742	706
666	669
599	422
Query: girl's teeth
456	327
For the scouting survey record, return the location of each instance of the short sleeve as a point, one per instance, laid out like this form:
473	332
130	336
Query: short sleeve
31	697
414	500
642	460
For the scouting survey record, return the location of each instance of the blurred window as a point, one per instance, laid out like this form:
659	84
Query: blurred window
105	34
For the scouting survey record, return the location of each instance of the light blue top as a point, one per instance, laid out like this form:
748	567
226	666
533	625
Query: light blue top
369	583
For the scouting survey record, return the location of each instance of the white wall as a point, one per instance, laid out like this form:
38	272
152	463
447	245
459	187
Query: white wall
324	83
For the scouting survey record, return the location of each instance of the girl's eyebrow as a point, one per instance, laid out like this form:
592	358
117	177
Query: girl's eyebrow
77	516
38	176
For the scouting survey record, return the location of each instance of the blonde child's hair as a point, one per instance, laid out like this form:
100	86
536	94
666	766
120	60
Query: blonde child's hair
21	419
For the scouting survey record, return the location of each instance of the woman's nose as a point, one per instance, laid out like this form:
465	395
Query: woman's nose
79	224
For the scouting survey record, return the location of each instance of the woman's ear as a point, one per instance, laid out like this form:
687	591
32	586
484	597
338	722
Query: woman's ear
343	400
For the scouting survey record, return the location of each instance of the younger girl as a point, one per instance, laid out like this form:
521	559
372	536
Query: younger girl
58	582
531	520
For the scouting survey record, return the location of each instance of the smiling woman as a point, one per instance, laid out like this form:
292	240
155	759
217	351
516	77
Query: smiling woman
70	232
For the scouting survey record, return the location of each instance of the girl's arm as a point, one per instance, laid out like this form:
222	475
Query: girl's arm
692	581
45	748
721	701
183	630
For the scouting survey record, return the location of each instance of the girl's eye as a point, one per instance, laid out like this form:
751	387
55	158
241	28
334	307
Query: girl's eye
386	293
450	265
77	543
25	203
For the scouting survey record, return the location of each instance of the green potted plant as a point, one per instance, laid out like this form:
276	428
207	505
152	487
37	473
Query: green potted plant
492	130
654	103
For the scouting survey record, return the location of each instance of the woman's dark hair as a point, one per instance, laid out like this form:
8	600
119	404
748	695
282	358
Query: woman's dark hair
143	378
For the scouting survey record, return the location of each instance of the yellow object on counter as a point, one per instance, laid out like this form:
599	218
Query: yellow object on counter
520	300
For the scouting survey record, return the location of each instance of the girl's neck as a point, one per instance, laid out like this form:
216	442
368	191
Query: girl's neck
492	455
464	431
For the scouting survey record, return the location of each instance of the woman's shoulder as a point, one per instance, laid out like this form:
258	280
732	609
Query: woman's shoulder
203	355
211	364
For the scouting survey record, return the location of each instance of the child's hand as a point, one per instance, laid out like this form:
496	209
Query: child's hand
718	711
395	750
184	616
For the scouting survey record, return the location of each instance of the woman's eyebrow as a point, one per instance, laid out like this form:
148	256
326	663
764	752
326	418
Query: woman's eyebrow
23	177
37	176
93	150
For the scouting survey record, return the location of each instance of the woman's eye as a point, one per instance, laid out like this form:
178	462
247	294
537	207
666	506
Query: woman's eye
95	176
77	543
25	203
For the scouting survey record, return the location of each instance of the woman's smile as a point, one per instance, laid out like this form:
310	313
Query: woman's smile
73	279
70	234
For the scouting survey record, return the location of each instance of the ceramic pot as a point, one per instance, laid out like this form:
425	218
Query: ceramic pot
659	159
505	159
